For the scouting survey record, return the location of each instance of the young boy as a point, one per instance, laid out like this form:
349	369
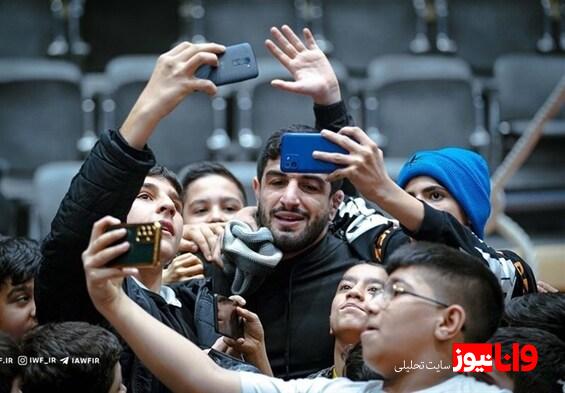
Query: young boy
19	261
77	357
452	295
441	196
211	196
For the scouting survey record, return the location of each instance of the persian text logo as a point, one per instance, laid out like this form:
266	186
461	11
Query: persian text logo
481	358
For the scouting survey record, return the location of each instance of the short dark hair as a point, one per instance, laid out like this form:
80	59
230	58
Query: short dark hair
19	259
551	359
272	151
8	371
540	310
167	174
193	172
355	367
74	340
457	278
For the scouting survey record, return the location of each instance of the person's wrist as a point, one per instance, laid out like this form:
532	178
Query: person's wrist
329	96
139	125
383	192
111	307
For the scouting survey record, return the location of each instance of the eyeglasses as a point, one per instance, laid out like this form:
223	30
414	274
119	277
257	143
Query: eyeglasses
390	291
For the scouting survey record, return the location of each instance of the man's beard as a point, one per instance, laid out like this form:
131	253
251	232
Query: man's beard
289	242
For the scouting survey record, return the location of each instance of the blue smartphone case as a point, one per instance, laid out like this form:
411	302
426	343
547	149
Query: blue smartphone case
296	153
236	64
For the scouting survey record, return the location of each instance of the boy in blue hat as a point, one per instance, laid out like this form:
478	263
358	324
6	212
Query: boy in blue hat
441	196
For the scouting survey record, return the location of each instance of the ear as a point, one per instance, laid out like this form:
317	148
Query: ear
256	187
451	323
335	200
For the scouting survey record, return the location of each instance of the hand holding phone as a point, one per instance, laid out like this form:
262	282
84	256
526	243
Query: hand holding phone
236	64
226	319
296	153
144	240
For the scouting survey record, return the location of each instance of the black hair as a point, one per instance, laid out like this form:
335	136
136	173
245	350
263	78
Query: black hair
540	310
457	278
167	174
355	367
193	172
272	151
19	260
9	349
550	367
75	340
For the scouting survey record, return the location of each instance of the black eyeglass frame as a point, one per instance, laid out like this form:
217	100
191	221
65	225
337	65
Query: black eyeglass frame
396	290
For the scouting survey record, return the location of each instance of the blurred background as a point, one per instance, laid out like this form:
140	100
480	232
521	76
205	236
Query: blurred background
416	74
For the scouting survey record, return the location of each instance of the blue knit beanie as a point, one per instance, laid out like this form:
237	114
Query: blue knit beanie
462	172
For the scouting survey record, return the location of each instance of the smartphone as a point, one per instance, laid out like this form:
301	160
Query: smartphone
236	64
296	153
144	245
226	320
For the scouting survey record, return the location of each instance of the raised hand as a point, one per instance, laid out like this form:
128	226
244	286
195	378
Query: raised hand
184	267
312	72
105	283
364	167
201	238
171	81
252	345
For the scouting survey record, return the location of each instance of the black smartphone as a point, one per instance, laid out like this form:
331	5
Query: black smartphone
226	320
236	64
296	153
144	240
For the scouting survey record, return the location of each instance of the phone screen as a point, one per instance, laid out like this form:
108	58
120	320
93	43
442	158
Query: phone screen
227	321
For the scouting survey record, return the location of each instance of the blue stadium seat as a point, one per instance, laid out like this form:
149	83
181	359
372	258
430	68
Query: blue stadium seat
41	117
50	184
361	30
421	102
524	82
486	29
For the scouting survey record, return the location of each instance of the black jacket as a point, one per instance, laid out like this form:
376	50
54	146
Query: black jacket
106	184
294	305
378	239
514	274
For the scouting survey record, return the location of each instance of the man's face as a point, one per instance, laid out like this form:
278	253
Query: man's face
403	330
211	198
434	194
297	208
348	316
17	308
159	201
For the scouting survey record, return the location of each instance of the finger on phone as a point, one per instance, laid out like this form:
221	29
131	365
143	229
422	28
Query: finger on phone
239	300
101	258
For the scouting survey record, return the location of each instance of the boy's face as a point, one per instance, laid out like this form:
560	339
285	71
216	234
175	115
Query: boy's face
17	308
297	208
159	201
348	316
403	329
211	198
434	194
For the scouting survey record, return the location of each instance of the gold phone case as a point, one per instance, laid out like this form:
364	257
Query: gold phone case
145	242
